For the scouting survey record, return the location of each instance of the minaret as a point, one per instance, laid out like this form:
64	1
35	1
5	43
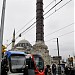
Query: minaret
13	40
39	47
39	21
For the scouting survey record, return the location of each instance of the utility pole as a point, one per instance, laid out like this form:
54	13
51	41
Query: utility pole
2	27
59	67
58	49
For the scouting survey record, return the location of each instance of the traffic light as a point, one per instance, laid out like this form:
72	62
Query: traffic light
3	49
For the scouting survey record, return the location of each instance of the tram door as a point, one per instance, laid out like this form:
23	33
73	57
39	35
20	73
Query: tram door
31	67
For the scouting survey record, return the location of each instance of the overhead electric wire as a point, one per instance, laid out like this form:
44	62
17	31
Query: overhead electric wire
43	15
46	13
49	4
31	28
50	14
53	7
38	19
59	29
50	39
58	8
25	25
66	33
60	36
33	18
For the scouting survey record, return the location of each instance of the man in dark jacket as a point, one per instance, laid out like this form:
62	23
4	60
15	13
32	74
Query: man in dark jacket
54	69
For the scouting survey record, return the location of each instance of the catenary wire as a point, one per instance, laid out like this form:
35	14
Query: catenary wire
60	36
57	10
39	19
49	15
60	29
32	18
53	7
49	4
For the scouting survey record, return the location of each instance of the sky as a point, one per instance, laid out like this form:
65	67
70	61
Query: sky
59	25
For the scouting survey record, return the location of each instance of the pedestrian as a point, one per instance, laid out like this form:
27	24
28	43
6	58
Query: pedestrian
25	71
54	69
49	70
46	70
66	70
4	67
72	70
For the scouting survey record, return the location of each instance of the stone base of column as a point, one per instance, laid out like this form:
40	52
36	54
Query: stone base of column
42	49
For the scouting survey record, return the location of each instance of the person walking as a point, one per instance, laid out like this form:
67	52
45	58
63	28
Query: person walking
66	70
54	69
47	70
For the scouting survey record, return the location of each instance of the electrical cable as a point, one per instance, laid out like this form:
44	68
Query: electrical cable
39	19
49	4
46	13
58	8
60	36
59	29
53	7
33	18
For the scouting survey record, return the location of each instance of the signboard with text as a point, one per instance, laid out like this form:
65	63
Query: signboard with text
57	57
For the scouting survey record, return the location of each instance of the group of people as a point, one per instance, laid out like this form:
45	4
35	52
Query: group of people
69	70
49	71
52	70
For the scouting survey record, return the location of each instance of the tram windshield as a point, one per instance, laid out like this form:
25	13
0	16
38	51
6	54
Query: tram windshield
39	62
17	63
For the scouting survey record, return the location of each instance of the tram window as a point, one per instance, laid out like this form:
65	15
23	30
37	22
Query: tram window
17	63
39	62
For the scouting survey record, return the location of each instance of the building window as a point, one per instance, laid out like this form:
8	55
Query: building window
26	44
23	44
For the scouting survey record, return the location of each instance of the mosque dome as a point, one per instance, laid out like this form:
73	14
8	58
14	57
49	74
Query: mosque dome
23	45
24	41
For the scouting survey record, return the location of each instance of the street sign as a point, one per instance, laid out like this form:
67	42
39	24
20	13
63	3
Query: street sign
57	57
